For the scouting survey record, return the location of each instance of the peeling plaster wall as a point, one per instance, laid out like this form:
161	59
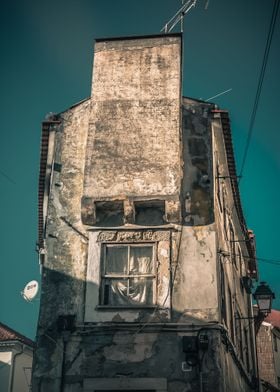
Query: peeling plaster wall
234	260
133	144
195	286
150	355
197	184
123	146
64	269
233	264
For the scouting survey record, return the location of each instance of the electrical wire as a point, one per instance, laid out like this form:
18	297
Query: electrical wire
265	260
260	83
7	177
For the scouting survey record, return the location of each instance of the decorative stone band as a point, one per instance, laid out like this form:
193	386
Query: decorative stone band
133	236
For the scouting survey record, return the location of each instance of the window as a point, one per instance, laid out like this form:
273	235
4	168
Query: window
128	277
225	215
218	187
238	334
246	348
223	296
240	260
232	244
275	342
230	314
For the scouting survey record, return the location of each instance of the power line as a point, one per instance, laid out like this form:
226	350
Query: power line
7	177
265	260
260	83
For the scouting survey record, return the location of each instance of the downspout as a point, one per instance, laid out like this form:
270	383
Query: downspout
13	367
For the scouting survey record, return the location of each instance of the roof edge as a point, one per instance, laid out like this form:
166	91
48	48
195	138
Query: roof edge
131	37
15	336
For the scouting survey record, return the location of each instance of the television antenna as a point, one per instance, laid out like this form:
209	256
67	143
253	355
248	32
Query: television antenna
179	16
30	290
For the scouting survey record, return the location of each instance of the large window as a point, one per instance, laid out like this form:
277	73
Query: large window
128	276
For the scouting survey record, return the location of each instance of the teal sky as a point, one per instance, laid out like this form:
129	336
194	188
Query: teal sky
46	66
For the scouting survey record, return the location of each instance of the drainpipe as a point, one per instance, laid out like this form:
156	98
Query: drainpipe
13	367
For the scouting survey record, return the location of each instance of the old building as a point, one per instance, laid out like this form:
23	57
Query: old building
268	348
16	355
147	263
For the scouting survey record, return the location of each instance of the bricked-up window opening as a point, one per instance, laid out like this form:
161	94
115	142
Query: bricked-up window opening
128	277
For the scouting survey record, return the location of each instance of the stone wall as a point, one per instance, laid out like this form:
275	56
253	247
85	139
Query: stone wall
265	354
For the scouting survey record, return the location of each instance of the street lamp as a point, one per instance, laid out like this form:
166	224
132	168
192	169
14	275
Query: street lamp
264	296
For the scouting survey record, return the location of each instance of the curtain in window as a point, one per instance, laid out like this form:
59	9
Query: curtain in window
134	291
141	260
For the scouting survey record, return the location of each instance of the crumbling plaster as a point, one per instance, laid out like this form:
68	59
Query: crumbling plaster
126	144
133	143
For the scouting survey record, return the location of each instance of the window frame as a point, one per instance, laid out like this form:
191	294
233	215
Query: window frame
126	276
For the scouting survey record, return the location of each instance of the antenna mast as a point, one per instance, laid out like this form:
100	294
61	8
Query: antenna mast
179	16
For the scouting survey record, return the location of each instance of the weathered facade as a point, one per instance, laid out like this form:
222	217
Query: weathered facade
146	259
268	349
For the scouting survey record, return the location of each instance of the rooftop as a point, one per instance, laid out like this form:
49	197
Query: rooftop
274	318
7	334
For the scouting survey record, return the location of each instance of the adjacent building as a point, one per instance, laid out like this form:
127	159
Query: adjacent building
268	348
147	263
16	354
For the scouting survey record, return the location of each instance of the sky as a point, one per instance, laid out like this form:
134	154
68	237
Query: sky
47	49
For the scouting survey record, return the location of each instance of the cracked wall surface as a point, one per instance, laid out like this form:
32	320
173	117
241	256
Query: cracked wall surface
133	146
132	167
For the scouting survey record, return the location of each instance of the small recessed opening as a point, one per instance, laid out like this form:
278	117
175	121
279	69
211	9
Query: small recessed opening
149	212
109	213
